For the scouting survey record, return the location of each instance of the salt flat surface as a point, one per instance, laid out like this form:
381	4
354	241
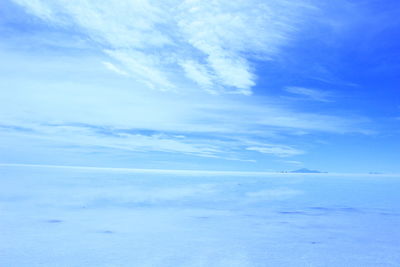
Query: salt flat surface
66	217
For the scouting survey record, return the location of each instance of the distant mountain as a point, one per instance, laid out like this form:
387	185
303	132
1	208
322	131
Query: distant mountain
304	170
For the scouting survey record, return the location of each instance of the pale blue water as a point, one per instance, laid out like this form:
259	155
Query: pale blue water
61	217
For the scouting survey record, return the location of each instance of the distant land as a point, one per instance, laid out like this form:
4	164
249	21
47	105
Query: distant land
304	170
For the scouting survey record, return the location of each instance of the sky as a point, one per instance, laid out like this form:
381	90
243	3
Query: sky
242	85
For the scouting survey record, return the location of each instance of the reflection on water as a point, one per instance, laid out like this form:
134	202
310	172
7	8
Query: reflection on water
87	218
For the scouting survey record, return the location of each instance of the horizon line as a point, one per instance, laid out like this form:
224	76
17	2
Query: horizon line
185	172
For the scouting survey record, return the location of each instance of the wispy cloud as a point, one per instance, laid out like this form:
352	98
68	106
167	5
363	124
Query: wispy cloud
277	150
85	136
312	94
114	68
293	162
139	141
195	39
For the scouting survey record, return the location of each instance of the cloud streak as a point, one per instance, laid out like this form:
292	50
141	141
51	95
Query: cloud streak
312	94
135	141
278	150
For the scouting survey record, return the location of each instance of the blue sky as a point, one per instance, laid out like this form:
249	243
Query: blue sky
209	85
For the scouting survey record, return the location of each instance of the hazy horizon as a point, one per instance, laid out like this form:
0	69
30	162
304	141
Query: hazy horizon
302	171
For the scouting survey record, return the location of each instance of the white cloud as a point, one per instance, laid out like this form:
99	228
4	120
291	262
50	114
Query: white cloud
293	162
197	72
313	94
114	68
158	41
145	67
277	150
